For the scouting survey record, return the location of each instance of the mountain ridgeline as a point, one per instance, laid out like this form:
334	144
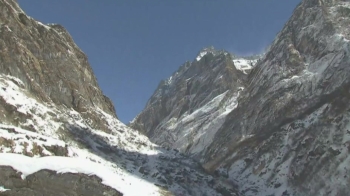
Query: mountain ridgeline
281	128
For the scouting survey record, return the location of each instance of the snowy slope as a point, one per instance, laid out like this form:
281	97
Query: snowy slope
193	132
47	139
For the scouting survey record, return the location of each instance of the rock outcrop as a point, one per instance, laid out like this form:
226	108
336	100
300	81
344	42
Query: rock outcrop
49	183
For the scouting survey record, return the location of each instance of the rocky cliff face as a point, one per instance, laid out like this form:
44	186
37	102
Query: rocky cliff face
52	107
187	109
48	62
289	134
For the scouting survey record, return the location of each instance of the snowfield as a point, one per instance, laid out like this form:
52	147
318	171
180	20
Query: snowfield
244	64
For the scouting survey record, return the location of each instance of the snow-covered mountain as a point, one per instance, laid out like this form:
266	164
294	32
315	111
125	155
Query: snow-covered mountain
61	133
187	109
287	127
275	124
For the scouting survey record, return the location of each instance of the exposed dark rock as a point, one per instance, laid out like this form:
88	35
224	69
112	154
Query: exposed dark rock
50	183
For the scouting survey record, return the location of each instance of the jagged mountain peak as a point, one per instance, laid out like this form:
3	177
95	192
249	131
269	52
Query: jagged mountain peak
243	63
189	93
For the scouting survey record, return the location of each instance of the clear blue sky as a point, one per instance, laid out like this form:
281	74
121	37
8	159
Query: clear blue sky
133	44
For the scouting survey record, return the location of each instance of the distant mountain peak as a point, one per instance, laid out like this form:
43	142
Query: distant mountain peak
211	50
